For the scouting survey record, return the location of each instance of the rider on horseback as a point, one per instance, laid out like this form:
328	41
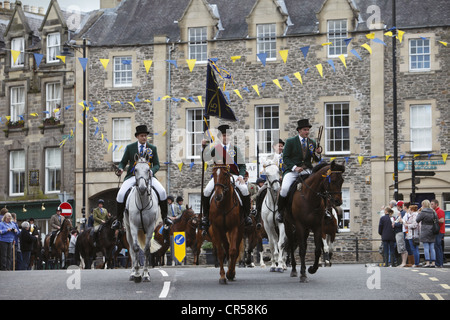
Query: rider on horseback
226	153
141	147
55	222
298	154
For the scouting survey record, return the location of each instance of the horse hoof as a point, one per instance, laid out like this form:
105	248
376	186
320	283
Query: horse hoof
280	270
304	279
138	279
312	270
294	274
222	281
146	279
272	269
131	278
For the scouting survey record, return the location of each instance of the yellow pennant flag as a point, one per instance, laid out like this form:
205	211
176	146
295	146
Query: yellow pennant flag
200	100
79	121
191	64
105	63
15	55
164	133
277	82
206	166
327	44
370	35
387	157
103	137
132	104
400	34
234	58
180	165
342	57
360	159
255	87
110	145
34	114
416	155
62	58
148	65
367	47
444	43
320	69
444	157
299	77
165	98
389	34
238	93
8	118
95	119
284	55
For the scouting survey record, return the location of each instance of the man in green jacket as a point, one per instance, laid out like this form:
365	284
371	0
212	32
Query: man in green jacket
140	147
298	154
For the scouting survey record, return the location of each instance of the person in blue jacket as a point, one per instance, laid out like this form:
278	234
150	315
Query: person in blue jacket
8	231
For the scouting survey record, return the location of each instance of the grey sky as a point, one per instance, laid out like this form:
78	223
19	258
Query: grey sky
83	5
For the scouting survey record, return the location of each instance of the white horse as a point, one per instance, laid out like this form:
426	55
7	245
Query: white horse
140	217
268	214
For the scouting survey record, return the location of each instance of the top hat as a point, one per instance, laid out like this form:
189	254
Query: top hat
303	123
223	128
141	129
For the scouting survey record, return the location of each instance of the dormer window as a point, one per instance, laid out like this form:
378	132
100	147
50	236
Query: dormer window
267	40
53	47
198	48
18	44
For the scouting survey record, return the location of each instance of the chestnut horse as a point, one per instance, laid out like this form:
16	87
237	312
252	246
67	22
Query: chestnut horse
226	219
61	244
308	210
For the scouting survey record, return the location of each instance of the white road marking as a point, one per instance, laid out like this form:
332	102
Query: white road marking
166	287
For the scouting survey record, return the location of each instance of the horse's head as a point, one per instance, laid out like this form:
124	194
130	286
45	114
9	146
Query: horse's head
142	174
221	175
272	173
333	183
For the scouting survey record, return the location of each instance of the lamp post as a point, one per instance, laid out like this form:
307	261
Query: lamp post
394	97
66	52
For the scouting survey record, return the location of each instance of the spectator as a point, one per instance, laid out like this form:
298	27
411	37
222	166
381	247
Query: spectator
26	245
427	237
439	237
7	235
72	243
399	236
16	245
413	231
386	231
171	208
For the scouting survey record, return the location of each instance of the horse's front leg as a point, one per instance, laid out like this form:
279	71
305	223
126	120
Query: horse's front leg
146	274
302	237
220	254
235	240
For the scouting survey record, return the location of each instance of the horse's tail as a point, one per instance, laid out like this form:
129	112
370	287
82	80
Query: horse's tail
141	239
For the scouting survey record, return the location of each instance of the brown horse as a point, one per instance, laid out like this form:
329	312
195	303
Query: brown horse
187	223
106	241
308	211
226	221
61	244
329	230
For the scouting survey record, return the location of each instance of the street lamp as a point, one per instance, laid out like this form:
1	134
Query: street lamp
394	97
66	52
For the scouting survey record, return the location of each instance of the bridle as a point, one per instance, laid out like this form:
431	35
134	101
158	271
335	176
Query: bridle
271	190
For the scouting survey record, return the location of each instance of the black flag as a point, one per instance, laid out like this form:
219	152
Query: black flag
216	104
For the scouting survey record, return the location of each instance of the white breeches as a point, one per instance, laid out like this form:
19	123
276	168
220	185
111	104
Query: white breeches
289	179
131	182
241	186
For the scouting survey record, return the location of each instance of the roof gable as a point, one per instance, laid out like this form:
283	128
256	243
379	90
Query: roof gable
53	13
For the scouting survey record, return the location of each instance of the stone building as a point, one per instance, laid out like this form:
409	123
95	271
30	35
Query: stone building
326	60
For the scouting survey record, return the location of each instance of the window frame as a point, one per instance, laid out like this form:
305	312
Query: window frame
126	81
266	38
14	170
198	41
20	62
15	105
344	137
52	103
53	169
423	54
191	136
338	42
56	48
273	131
123	139
417	123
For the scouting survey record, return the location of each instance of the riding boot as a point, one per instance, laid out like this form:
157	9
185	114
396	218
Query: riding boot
246	206
163	206
205	218
281	206
120	208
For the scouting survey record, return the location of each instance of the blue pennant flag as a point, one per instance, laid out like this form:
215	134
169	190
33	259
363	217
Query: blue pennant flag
355	53
331	63
38	57
305	50
262	57
83	62
216	105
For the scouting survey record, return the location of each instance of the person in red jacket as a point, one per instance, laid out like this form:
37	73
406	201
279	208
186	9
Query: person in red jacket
439	237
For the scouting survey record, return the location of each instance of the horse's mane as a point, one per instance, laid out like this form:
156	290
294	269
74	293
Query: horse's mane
320	166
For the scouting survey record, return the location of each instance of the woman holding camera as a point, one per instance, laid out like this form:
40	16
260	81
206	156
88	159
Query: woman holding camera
8	230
